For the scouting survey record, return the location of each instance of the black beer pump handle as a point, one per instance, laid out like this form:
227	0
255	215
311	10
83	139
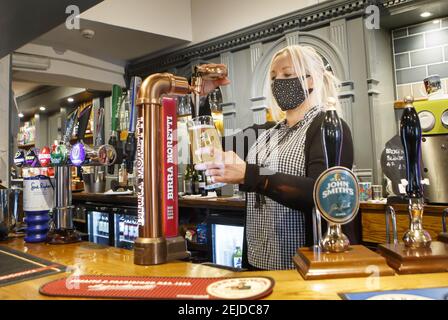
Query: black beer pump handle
411	138
332	135
83	121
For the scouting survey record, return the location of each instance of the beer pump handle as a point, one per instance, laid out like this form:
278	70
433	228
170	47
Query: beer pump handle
317	227
205	72
411	136
444	214
83	121
390	213
69	125
130	146
99	127
113	139
332	134
136	82
116	94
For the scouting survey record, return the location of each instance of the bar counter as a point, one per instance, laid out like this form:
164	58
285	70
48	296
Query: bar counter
91	259
130	200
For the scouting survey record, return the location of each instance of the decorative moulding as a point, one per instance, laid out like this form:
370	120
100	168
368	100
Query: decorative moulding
306	19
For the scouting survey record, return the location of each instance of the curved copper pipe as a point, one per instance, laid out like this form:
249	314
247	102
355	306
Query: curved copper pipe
158	84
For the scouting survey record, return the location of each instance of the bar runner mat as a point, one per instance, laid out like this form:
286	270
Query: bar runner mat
412	294
182	288
17	266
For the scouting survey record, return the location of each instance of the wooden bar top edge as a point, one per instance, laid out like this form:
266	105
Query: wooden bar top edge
88	258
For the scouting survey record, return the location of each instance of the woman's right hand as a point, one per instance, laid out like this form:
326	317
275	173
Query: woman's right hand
227	167
210	85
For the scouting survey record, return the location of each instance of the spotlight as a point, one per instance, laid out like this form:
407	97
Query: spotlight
426	14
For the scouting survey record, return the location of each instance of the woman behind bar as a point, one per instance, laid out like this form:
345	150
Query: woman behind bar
282	166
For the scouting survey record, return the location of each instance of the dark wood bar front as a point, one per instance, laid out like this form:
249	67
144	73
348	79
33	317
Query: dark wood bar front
374	221
373	214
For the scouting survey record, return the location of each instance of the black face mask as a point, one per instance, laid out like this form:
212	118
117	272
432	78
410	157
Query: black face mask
288	93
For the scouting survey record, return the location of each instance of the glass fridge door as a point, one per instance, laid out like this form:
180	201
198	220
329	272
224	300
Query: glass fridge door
227	245
98	227
126	231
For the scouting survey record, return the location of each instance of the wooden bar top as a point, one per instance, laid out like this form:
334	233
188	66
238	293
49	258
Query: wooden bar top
222	203
88	259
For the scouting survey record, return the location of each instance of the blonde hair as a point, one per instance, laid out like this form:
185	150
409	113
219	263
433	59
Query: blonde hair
306	61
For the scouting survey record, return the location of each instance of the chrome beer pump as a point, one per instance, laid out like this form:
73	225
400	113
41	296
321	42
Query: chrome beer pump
417	253
336	197
444	235
64	157
152	247
63	230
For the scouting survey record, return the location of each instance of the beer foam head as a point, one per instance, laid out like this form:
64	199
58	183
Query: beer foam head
201	127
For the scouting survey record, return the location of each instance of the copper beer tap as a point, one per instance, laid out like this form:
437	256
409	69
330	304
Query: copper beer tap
151	247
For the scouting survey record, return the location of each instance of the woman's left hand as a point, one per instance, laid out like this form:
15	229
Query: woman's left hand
227	167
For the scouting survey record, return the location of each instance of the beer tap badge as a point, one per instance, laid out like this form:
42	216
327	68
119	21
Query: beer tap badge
19	158
336	195
59	154
78	154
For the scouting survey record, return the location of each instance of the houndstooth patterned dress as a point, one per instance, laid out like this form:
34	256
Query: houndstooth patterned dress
274	232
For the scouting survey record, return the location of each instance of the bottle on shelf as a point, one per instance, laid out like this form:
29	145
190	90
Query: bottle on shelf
126	230
123	175
237	257
121	227
102	225
188	181
201	184
98	226
135	229
195	181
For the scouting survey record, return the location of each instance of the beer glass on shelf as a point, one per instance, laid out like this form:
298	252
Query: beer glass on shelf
203	134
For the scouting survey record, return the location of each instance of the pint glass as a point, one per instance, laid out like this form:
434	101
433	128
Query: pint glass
203	134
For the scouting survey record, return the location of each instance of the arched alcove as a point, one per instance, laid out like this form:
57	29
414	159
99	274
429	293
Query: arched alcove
259	89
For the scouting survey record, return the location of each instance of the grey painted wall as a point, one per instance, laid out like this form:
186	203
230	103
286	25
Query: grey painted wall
356	57
357	64
242	84
419	51
381	93
362	60
5	102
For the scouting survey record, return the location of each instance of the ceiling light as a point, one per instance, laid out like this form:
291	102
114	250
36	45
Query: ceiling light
436	21
21	115
70	100
88	33
42	108
426	14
